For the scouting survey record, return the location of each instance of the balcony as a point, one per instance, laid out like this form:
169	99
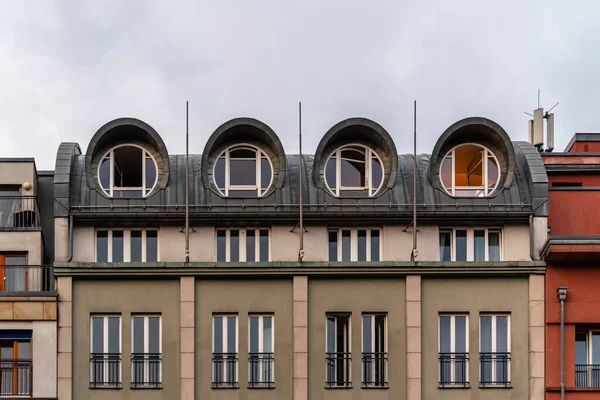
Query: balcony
337	370
19	212
587	375
24	279
105	370
494	369
454	369
146	370
374	370
224	370
260	370
15	378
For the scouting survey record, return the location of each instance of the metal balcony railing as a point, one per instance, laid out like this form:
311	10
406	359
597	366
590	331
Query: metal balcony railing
105	370
260	370
454	369
337	370
224	370
374	369
494	369
26	278
146	370
587	375
16	378
19	212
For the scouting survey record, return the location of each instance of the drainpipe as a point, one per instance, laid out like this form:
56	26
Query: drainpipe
70	234
561	295
534	256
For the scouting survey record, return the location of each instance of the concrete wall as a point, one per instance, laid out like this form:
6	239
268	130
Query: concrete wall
475	296
126	297
16	173
516	243
29	242
243	297
356	296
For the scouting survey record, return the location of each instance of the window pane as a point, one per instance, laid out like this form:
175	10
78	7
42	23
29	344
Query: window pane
265	173
105	174
113	335
128	166
479	245
376	173
352	173
264	245
494	245
595	348
580	348
24	350
242	172
460	334
333	246
234	248
330	335
242	153
445	246
493	173
250	245
102	246
502	334
330	173
485	334
231	335
367	339
150	173
468	167
221	240
379	333
97	335
461	245
375	245
267	334
220	173
362	245
254	335
154	334
117	246
446	172
345	245
136	245
218	334
151	246
445	334
138	335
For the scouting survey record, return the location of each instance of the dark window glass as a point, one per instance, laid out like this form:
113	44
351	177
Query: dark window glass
492	173
117	246
376	173
353	154
97	335
151	246
502	334
128	166
485	334
220	173
242	153
150	173
218	334
353	173
136	245
221	245
138	335
445	334
250	245
105	174
446	172
362	245
234	245
445	246
580	348
460	334
330	173
367	329
345	245
264	245
231	335
102	246
154	335
494	245
479	245
113	335
265	173
461	245
375	245
242	172
333	246
253	334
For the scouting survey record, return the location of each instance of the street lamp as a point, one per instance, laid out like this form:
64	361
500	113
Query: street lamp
561	295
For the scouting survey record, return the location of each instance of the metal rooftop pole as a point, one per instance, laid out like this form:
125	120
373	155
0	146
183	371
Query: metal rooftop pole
187	185
415	252
301	252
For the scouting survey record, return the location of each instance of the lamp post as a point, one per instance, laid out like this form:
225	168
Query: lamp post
561	295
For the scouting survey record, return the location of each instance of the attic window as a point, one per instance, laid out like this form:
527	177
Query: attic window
470	170
243	171
354	171
127	171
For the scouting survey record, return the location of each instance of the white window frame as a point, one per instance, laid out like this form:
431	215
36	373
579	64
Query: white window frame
354	242
486	154
105	335
261	345
127	243
347	343
260	154
471	241
385	342
146	318
110	156
369	155
453	345
225	349
243	245
494	343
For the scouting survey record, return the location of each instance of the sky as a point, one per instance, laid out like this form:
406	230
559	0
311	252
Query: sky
68	67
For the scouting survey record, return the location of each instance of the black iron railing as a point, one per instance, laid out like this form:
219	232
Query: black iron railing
105	370
146	370
494	369
454	369
260	370
374	369
337	370
587	375
26	278
16	378
19	212
224	370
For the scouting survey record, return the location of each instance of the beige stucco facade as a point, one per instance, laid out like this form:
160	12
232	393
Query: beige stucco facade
29	242
17	173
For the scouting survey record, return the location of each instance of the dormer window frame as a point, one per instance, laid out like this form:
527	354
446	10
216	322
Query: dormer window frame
112	190
480	190
369	156
228	189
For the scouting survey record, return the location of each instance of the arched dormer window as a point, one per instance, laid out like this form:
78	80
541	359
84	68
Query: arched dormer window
354	170
127	171
470	170
243	171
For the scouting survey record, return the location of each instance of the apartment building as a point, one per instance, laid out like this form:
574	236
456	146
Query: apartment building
355	318
572	252
28	298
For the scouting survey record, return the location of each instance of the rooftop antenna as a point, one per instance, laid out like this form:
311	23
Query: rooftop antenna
301	252
187	185
414	253
536	127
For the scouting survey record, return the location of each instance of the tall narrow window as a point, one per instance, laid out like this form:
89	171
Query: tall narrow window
129	245
587	358
445	245
127	171
453	350
225	356
354	171
494	350
16	363
243	171
9	207
105	351
337	356
260	356
462	244
354	245
470	170
146	369
16	275
374	350
242	245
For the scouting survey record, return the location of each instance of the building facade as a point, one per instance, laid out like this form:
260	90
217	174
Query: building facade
250	315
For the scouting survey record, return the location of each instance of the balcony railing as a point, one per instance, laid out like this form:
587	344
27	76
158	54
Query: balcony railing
26	278
19	212
454	369
260	370
587	375
105	370
494	369
15	377
337	370
146	370
224	370
374	369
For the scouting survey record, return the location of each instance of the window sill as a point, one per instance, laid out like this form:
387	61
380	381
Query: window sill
373	387
110	387
146	386
498	386
573	389
261	387
224	386
456	386
339	387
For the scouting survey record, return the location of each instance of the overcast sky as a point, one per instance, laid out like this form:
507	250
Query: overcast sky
68	67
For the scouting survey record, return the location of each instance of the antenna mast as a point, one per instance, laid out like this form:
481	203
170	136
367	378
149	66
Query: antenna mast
187	185
301	252
414	253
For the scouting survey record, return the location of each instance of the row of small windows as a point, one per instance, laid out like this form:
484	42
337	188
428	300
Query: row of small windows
354	170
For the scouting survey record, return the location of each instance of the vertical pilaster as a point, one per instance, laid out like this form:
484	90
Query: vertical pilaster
65	338
413	337
536	337
300	324
187	326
